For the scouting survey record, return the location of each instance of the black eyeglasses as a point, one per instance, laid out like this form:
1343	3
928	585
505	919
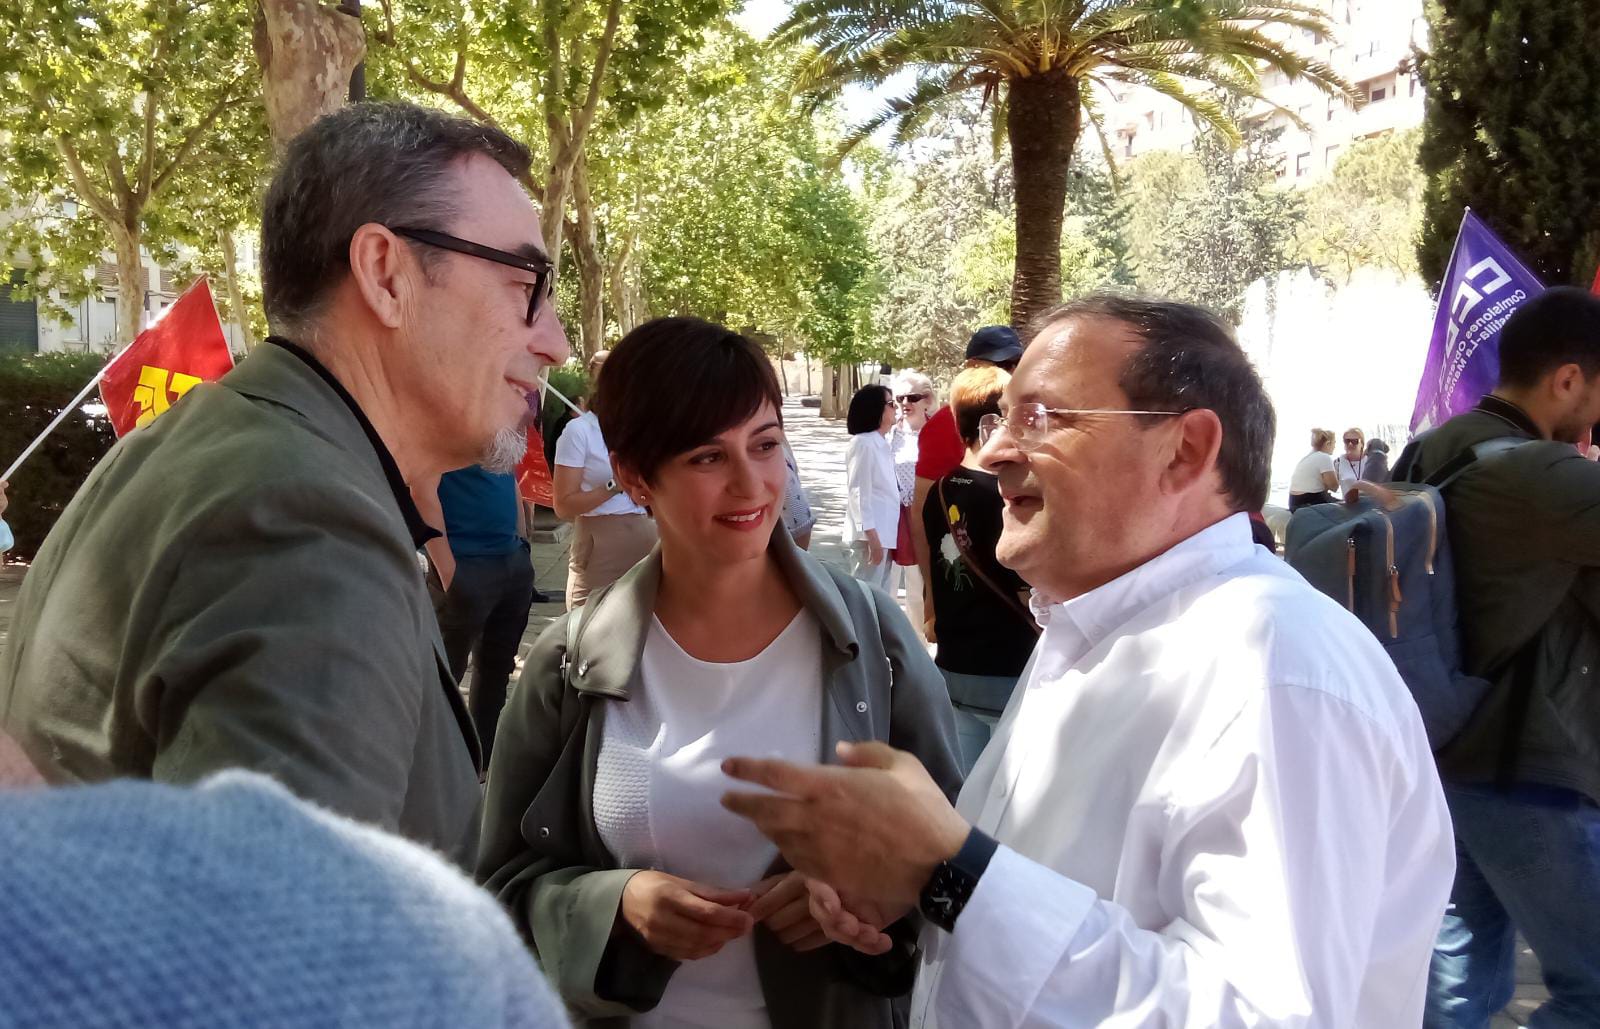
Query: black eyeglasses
911	398
1351	441
544	281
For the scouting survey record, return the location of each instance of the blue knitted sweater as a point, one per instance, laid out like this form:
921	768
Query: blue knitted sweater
232	904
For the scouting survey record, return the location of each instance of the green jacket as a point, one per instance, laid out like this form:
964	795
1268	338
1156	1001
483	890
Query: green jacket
1524	529
235	586
543	856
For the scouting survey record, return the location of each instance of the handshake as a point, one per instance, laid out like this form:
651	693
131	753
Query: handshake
863	837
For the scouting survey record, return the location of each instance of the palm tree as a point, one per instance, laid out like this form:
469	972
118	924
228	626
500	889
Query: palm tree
1042	64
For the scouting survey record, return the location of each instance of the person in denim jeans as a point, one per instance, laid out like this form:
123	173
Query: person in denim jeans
1523	776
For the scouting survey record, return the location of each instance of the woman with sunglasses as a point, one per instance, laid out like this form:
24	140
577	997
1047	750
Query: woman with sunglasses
913	401
648	903
1352	464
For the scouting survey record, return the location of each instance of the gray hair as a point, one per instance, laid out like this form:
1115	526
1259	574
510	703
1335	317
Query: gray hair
1190	361
505	451
384	163
911	380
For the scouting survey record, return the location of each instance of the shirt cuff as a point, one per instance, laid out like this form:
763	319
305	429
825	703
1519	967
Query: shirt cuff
1011	937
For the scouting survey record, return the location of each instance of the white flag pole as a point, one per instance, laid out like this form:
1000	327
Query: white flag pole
570	405
72	405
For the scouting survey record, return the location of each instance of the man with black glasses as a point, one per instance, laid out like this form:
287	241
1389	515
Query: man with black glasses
238	584
1210	801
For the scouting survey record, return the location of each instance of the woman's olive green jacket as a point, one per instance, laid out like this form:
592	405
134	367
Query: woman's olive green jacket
542	855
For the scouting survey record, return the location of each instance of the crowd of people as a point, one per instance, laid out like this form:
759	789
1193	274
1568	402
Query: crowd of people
1152	776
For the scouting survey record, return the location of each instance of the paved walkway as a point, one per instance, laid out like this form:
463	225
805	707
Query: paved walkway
819	446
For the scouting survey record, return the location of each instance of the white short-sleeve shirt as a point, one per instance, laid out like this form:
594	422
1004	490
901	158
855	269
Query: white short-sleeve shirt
582	446
1307	477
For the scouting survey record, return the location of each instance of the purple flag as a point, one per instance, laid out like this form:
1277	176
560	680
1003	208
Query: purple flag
1483	284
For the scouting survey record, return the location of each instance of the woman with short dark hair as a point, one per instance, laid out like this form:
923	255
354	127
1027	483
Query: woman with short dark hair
872	502
649	904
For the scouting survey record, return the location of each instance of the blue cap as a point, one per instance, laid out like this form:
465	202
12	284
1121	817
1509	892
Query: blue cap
995	343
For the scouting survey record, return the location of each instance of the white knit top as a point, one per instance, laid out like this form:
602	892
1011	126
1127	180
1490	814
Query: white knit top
658	789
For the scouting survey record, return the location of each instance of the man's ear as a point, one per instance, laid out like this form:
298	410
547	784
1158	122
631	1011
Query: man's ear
1568	380
382	272
1194	450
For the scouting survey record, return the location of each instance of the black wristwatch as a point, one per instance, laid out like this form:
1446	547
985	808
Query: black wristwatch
952	883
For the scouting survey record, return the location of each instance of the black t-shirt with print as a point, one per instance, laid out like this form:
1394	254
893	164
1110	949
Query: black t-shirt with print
979	633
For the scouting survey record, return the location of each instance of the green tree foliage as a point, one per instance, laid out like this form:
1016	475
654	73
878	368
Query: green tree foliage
1203	227
1043	66
735	216
945	239
1368	212
1513	113
132	110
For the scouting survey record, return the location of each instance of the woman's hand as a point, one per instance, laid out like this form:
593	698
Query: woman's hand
874	549
684	920
855	925
783	905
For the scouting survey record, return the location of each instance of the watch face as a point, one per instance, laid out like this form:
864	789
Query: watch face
945	895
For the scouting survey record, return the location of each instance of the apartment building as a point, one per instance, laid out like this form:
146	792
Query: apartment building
1371	47
29	325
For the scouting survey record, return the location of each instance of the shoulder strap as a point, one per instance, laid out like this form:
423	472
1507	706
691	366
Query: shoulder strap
1452	469
576	620
1009	600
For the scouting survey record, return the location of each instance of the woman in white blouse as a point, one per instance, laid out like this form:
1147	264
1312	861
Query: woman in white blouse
914	402
650	905
1314	478
872	508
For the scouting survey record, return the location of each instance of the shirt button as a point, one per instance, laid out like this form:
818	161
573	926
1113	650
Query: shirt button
583	669
861	706
544	832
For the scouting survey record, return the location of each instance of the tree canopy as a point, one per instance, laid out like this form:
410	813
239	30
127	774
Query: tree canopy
1513	112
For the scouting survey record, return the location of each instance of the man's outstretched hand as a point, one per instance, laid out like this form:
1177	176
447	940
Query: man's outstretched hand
874	829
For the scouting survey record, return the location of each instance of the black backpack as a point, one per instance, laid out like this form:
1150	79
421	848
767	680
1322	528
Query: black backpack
1391	567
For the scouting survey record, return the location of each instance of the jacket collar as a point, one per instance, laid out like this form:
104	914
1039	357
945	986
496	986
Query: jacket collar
290	376
613	626
1506	411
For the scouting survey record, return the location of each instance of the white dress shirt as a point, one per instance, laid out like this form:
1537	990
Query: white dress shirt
1216	807
874	499
581	445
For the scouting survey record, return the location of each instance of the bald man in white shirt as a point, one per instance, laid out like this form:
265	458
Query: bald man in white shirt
1211	802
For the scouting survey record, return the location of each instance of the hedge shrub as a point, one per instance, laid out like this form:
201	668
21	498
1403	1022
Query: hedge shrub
33	389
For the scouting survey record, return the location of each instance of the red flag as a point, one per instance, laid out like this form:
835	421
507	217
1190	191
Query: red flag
533	472
184	347
1596	289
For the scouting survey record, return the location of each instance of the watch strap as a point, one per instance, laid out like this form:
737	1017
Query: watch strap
952	884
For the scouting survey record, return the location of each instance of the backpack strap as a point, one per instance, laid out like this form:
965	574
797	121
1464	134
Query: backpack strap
1453	468
1009	601
577	620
